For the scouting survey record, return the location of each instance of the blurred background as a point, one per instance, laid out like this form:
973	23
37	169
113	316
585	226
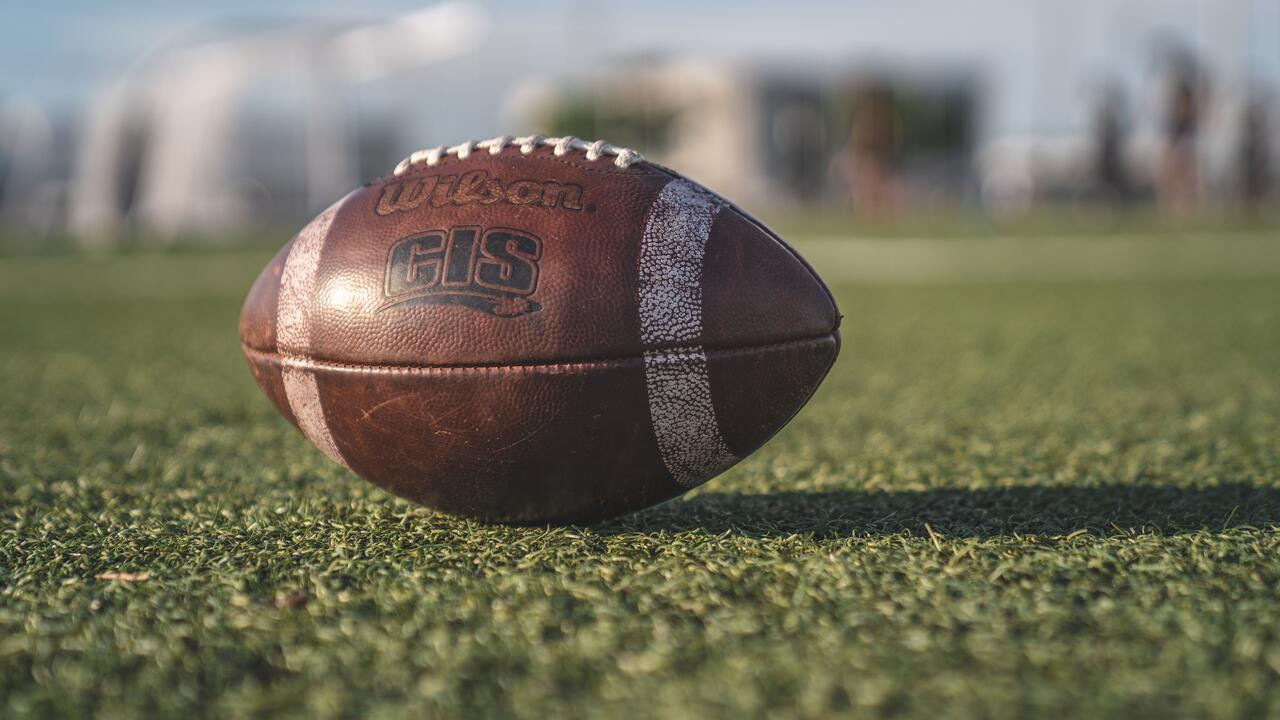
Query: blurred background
1042	480
218	121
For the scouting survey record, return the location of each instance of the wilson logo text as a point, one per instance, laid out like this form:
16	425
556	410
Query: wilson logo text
476	188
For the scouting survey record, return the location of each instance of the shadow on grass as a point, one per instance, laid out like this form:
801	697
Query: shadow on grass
1104	510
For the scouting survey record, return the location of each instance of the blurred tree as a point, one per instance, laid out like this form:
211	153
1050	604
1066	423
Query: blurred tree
643	126
868	161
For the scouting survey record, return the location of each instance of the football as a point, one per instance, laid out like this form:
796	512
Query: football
537	330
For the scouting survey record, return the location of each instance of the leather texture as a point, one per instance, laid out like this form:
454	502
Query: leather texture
479	348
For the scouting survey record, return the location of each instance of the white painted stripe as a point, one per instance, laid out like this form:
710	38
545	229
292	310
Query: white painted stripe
670	299
304	399
298	284
683	416
671	250
293	331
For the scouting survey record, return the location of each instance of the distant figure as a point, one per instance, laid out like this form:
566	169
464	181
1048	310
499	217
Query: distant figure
868	161
1255	157
1110	176
1177	184
798	134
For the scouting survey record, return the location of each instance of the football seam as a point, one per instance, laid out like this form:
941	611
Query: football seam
552	365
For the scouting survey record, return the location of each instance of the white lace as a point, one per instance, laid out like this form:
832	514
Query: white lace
622	157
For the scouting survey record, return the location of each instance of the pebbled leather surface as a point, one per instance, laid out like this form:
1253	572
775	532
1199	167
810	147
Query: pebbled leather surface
541	443
587	285
536	411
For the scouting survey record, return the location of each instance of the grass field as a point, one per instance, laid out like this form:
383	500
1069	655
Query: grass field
1034	486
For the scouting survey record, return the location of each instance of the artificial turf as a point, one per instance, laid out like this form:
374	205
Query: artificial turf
1008	500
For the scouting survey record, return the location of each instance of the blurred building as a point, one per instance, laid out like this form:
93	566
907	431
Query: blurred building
35	161
239	126
779	134
218	134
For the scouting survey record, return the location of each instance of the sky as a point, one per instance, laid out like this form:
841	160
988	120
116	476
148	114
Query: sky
1037	58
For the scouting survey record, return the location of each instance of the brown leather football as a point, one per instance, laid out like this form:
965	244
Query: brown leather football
537	330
